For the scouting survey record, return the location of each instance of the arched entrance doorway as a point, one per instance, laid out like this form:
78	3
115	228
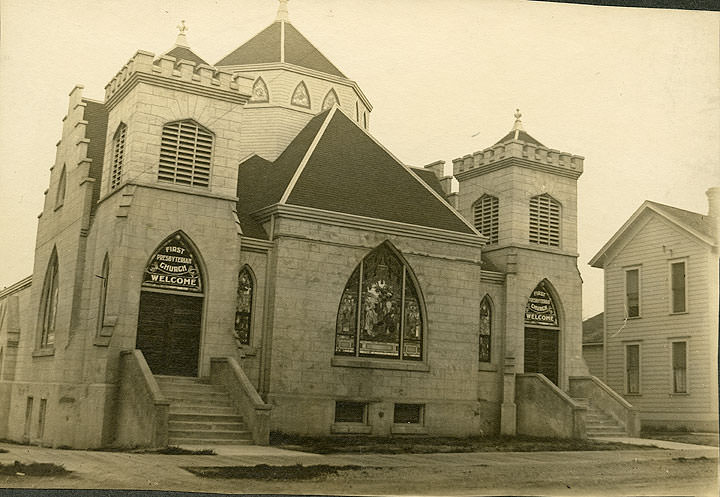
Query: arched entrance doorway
542	334
171	305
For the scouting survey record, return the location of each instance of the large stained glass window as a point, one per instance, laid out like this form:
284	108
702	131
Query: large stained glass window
485	330
380	313
243	313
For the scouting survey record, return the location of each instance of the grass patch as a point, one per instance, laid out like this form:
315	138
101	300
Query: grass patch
690	459
265	472
173	450
355	444
710	439
3	451
33	469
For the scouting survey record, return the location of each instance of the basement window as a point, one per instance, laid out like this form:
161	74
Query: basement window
350	412
408	414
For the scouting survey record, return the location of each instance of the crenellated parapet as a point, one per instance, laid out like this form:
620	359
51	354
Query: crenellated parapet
181	74
530	155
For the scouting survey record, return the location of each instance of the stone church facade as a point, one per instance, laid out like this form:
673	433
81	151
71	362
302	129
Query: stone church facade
227	250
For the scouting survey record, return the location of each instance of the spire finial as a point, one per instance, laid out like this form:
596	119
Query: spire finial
518	123
282	13
181	39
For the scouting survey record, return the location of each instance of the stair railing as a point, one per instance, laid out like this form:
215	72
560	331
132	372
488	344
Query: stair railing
544	410
227	372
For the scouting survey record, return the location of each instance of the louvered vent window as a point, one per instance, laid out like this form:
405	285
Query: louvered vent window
118	156
545	221
485	215
185	154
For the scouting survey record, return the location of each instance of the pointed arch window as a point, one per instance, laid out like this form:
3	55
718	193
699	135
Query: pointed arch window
62	183
103	292
49	303
485	340
330	99
380	312
545	220
118	155
185	154
260	93
301	96
485	217
243	312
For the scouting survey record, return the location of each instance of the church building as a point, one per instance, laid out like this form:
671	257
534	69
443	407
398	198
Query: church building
226	250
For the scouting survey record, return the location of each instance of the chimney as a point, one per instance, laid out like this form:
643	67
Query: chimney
713	195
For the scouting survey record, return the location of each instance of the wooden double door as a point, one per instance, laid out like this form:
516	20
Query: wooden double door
541	352
168	332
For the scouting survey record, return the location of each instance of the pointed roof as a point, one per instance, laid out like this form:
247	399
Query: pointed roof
334	165
518	133
699	225
181	50
280	42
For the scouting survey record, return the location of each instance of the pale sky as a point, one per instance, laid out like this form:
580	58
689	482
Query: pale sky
634	91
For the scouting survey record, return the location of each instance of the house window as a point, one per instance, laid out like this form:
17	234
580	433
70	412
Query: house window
679	367
103	292
330	99
60	195
185	153
49	303
677	286
485	330
545	220
350	412
485	215
408	414
632	368
260	92
118	148
243	313
632	292
380	311
300	96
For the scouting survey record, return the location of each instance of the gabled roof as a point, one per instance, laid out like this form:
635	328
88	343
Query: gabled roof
699	225
267	46
593	329
334	165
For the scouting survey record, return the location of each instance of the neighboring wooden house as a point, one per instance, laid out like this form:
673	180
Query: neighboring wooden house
592	345
661	314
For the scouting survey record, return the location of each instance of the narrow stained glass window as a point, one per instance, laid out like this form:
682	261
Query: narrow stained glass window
300	96
330	99
485	330
243	313
260	92
380	311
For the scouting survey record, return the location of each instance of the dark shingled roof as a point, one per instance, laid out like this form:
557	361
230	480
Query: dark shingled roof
522	136
593	329
430	178
698	222
183	53
347	172
97	117
264	47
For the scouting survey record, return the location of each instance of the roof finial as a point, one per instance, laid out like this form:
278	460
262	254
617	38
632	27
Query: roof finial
181	40
518	123
282	13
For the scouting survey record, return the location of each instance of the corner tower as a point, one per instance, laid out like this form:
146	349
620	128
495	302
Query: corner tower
523	196
292	82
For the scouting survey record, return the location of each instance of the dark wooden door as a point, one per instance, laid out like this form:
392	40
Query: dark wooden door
168	332
541	352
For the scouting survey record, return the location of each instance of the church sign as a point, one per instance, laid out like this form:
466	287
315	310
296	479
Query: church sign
540	309
173	267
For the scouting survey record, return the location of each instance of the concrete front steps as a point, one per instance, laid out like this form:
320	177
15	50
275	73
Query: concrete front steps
201	413
600	424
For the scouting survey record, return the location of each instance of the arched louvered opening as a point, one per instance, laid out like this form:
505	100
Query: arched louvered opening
544	220
486	211
49	302
118	148
185	154
301	96
62	183
104	277
381	313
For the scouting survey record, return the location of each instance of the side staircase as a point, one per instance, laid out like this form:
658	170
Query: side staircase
201	413
599	423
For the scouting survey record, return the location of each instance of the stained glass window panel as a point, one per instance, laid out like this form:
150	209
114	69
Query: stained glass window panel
243	313
346	326
485	331
412	338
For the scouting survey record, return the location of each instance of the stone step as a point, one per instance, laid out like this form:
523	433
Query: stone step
177	408
199	398
206	418
617	433
192	387
209	441
214	434
204	426
184	380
